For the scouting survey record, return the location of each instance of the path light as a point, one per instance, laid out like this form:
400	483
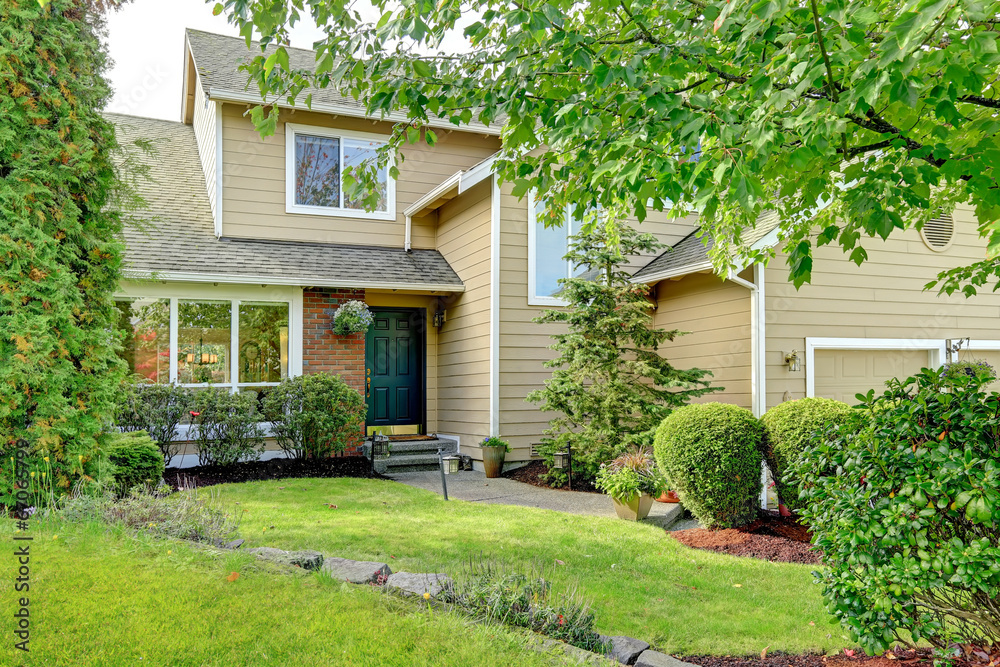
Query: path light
451	464
564	461
380	448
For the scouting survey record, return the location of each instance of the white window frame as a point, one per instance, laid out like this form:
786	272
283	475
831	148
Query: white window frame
535	299
235	294
936	347
291	129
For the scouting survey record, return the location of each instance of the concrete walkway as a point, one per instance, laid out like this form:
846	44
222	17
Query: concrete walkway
473	486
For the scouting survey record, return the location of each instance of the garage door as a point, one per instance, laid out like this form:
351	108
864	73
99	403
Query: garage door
841	374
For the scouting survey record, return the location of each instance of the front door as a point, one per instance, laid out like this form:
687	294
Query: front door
394	370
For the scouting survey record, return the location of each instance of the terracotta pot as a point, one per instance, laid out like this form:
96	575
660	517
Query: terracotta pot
784	511
493	460
668	497
635	509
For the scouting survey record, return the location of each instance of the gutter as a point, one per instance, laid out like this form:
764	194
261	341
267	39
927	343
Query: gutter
285	281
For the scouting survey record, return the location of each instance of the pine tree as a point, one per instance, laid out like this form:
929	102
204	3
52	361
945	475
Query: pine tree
610	386
60	254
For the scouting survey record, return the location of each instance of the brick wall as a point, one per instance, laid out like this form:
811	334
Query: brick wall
325	352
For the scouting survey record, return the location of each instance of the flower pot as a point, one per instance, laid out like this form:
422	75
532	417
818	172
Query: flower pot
634	509
668	497
784	511
493	460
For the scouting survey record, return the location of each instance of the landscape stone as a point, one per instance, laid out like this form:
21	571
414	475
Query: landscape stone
307	560
657	659
357	571
579	655
413	583
235	544
624	649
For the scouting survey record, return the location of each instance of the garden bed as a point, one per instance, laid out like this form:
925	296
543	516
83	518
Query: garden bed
771	537
920	658
253	471
532	474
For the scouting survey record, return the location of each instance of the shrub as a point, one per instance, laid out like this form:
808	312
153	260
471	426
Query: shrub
315	415
525	601
630	475
788	429
711	454
136	459
157	409
905	510
228	428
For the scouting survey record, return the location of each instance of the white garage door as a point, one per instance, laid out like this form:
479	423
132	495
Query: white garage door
841	374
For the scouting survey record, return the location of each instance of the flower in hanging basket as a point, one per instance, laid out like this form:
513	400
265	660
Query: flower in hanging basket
351	317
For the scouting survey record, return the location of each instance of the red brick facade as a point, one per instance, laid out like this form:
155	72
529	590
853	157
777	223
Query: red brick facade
322	350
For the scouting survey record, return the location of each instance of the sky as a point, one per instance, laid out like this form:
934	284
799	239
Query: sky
146	43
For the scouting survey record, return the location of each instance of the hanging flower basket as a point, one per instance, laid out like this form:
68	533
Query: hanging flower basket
350	318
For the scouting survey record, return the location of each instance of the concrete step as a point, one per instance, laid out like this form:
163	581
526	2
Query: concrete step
415	455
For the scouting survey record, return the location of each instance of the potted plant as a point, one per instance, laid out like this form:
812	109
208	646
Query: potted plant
351	317
494	451
632	480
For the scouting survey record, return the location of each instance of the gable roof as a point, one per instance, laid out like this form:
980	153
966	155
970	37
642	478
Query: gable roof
217	59
180	242
690	254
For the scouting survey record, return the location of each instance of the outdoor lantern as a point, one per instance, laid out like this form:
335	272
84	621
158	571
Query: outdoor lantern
380	446
793	361
560	460
439	317
451	464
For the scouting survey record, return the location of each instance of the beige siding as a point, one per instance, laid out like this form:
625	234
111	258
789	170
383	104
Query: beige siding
883	298
524	345
463	234
205	135
716	313
429	303
254	182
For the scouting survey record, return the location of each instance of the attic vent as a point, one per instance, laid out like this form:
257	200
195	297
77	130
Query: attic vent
939	232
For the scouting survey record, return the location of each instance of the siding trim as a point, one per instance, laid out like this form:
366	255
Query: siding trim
218	170
495	307
283	281
936	347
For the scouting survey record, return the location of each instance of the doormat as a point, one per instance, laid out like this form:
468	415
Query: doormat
408	438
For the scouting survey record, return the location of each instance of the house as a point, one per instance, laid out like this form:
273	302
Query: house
254	244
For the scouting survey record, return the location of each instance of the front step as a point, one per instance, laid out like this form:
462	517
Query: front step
414	455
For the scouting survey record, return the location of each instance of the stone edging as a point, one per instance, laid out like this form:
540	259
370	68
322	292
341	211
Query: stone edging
623	650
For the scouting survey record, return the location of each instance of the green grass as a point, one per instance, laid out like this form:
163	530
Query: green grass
103	597
641	582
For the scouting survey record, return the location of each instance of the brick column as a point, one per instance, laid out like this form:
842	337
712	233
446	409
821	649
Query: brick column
326	352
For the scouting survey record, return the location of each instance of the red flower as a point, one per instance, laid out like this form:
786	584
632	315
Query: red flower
195	414
561	621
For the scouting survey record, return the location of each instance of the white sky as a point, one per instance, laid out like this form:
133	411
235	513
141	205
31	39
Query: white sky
146	43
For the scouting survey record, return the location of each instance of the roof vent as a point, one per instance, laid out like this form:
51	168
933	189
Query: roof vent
938	232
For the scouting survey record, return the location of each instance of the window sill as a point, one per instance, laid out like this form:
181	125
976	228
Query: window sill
331	212
546	301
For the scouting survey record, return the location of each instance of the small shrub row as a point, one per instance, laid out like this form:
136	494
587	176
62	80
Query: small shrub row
313	416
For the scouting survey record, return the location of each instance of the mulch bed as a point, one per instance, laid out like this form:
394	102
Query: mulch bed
919	658
771	537
532	474
253	471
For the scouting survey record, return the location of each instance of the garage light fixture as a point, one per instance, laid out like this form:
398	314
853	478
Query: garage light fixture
794	361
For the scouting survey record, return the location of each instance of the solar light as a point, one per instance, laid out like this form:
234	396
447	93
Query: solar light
560	460
380	446
451	464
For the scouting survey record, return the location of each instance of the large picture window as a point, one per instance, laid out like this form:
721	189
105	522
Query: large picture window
317	160
547	248
198	342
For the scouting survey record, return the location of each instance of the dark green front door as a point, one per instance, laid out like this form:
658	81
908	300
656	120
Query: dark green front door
394	369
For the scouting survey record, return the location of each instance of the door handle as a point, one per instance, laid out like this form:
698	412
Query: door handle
368	388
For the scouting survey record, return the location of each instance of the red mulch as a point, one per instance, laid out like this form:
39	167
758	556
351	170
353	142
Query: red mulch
253	471
919	658
532	474
771	537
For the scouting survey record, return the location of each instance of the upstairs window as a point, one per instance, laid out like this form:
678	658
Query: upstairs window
317	159
547	247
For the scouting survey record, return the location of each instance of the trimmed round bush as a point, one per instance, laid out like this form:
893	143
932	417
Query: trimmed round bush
788	430
136	460
710	453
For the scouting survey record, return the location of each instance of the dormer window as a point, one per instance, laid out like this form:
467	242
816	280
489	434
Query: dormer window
316	161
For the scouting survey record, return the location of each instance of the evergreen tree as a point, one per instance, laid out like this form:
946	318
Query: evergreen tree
610	386
60	253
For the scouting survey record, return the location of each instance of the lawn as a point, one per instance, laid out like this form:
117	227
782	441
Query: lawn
100	597
641	582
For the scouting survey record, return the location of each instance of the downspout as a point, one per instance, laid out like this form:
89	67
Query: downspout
758	385
406	236
494	392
